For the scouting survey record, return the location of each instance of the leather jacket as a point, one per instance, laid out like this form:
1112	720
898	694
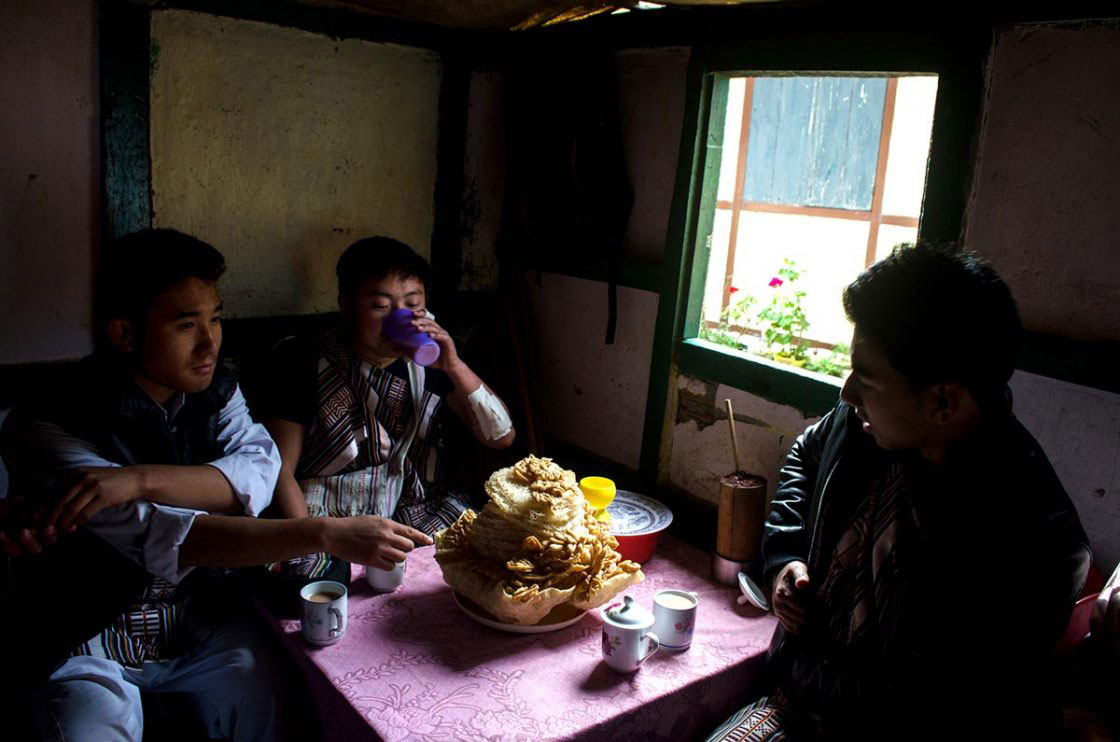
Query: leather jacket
1003	558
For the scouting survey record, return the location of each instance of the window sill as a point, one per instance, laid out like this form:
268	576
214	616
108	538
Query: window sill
811	393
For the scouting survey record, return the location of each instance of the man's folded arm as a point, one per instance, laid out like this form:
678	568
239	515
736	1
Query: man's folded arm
52	459
151	533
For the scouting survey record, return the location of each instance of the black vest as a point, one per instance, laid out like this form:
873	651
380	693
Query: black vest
107	408
78	586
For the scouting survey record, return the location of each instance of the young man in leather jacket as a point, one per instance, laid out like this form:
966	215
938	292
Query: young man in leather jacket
922	554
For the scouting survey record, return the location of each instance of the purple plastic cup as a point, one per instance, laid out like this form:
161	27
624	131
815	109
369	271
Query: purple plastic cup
398	328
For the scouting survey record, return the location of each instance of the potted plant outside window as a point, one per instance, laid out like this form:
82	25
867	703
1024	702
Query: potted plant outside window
785	319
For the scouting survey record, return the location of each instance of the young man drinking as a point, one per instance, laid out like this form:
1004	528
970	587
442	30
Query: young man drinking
361	428
135	465
923	556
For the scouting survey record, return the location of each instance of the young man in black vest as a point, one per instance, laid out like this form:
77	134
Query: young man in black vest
133	465
923	556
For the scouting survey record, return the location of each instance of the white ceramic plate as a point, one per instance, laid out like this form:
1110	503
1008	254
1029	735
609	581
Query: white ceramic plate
560	617
633	514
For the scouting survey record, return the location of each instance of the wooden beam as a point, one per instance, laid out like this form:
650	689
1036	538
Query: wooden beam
740	177
822	211
881	171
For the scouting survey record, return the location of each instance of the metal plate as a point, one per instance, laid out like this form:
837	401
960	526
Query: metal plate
633	514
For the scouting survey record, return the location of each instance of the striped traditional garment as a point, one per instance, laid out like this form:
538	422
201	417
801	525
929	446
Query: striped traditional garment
862	593
370	449
151	630
867	575
761	721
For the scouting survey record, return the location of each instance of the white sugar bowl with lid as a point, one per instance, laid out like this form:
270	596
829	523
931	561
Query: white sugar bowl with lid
627	639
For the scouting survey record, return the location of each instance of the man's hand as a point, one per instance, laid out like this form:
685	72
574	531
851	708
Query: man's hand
94	490
789	596
16	538
27	541
448	354
371	540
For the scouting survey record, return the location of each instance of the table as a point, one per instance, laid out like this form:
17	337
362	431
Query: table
412	666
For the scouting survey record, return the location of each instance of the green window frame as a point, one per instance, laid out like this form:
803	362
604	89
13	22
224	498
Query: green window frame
765	50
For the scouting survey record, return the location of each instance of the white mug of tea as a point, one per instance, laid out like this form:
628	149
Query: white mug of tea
627	640
674	617
385	580
324	612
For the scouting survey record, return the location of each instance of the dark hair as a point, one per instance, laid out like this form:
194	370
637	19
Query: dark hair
138	267
378	257
940	314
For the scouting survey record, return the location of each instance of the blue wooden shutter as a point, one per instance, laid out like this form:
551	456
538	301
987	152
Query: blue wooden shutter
814	141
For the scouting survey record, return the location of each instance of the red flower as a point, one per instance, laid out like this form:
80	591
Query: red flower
732	290
775	282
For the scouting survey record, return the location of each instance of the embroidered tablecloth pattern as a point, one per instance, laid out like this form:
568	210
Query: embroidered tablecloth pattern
412	666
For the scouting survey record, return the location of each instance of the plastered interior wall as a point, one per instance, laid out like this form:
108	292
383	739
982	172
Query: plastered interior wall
586	392
281	147
701	437
651	89
1079	428
1045	204
1044	211
49	181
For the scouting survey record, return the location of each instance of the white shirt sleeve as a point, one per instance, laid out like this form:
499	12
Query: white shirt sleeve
147	533
251	460
490	413
150	534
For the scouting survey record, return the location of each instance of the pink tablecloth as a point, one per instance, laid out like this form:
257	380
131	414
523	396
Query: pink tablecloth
412	666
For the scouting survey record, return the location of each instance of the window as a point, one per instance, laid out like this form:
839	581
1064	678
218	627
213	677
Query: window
818	177
843	44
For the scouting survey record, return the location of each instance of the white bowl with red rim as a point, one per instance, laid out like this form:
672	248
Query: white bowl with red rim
637	522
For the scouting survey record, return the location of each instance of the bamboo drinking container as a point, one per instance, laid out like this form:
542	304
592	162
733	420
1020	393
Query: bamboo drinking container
742	509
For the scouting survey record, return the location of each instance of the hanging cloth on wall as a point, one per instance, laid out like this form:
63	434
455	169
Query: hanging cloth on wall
574	198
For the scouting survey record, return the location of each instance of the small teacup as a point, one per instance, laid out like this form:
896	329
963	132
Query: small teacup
674	617
324	612
385	580
627	641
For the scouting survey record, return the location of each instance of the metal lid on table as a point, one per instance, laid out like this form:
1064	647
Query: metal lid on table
752	593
